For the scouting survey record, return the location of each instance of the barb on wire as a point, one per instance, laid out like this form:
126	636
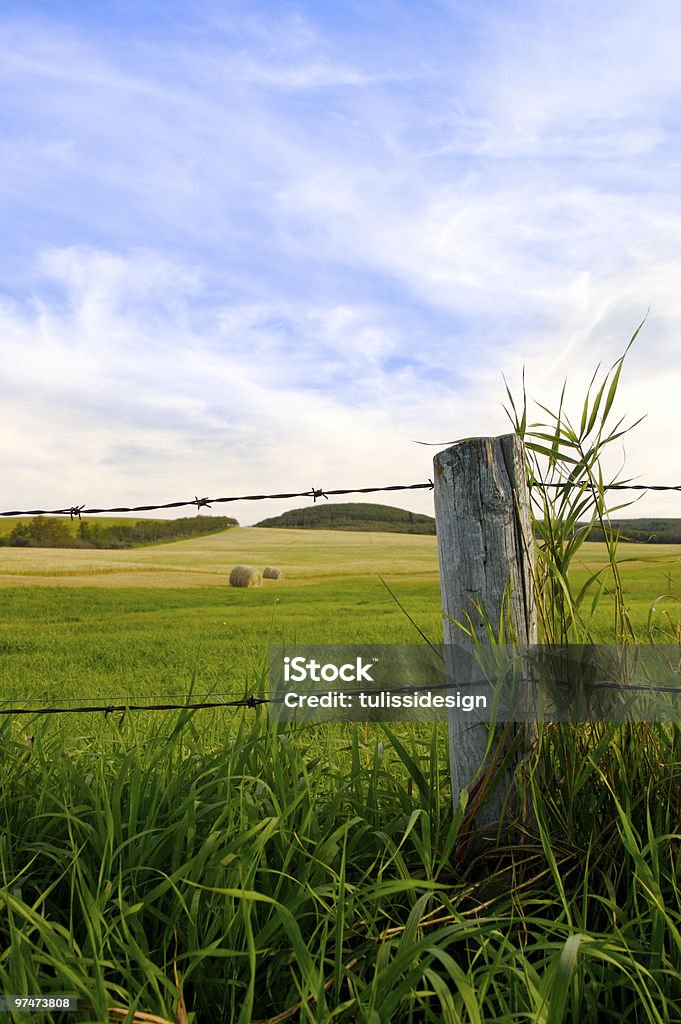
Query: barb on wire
313	493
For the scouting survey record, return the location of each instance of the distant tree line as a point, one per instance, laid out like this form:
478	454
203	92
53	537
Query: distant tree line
48	532
635	531
642	531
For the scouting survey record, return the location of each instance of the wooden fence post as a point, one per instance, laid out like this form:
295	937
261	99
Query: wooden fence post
485	547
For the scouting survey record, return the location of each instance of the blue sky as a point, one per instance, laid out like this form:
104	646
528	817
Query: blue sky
265	246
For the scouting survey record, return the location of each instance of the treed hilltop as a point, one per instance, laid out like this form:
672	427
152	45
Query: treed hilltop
353	515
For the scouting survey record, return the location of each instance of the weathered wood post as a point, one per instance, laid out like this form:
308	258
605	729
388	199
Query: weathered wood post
485	547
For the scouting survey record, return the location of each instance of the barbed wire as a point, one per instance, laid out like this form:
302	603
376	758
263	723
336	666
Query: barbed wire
119	697
107	709
76	511
256	700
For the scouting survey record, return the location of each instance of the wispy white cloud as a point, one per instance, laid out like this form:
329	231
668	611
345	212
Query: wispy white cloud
262	245
112	390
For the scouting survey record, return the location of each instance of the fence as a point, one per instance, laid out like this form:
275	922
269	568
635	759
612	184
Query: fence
76	511
485	550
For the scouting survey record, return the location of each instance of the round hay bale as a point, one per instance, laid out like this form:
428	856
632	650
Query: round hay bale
270	573
245	576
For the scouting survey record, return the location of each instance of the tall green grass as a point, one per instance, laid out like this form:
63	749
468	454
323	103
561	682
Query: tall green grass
318	874
570	495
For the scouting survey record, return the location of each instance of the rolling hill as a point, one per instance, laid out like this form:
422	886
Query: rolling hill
358	516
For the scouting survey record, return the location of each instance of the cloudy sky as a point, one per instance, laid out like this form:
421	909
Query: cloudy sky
266	246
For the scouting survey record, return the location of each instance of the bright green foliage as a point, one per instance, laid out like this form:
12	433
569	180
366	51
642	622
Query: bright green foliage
319	870
569	497
42	532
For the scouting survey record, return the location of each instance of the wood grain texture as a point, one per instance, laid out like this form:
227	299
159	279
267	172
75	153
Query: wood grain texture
485	549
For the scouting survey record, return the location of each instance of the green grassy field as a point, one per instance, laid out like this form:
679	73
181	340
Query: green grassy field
651	581
154	620
211	867
97	641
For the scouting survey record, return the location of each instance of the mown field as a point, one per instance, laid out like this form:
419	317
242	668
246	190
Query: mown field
207	866
305	556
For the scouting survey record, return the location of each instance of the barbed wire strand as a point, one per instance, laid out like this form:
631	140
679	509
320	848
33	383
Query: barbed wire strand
247	702
76	511
119	697
254	701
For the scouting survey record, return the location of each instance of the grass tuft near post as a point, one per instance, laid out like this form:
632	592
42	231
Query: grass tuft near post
569	497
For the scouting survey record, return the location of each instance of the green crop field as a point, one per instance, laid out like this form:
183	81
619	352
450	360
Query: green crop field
212	867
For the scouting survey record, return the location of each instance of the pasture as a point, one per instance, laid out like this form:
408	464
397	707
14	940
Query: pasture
159	619
209	867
